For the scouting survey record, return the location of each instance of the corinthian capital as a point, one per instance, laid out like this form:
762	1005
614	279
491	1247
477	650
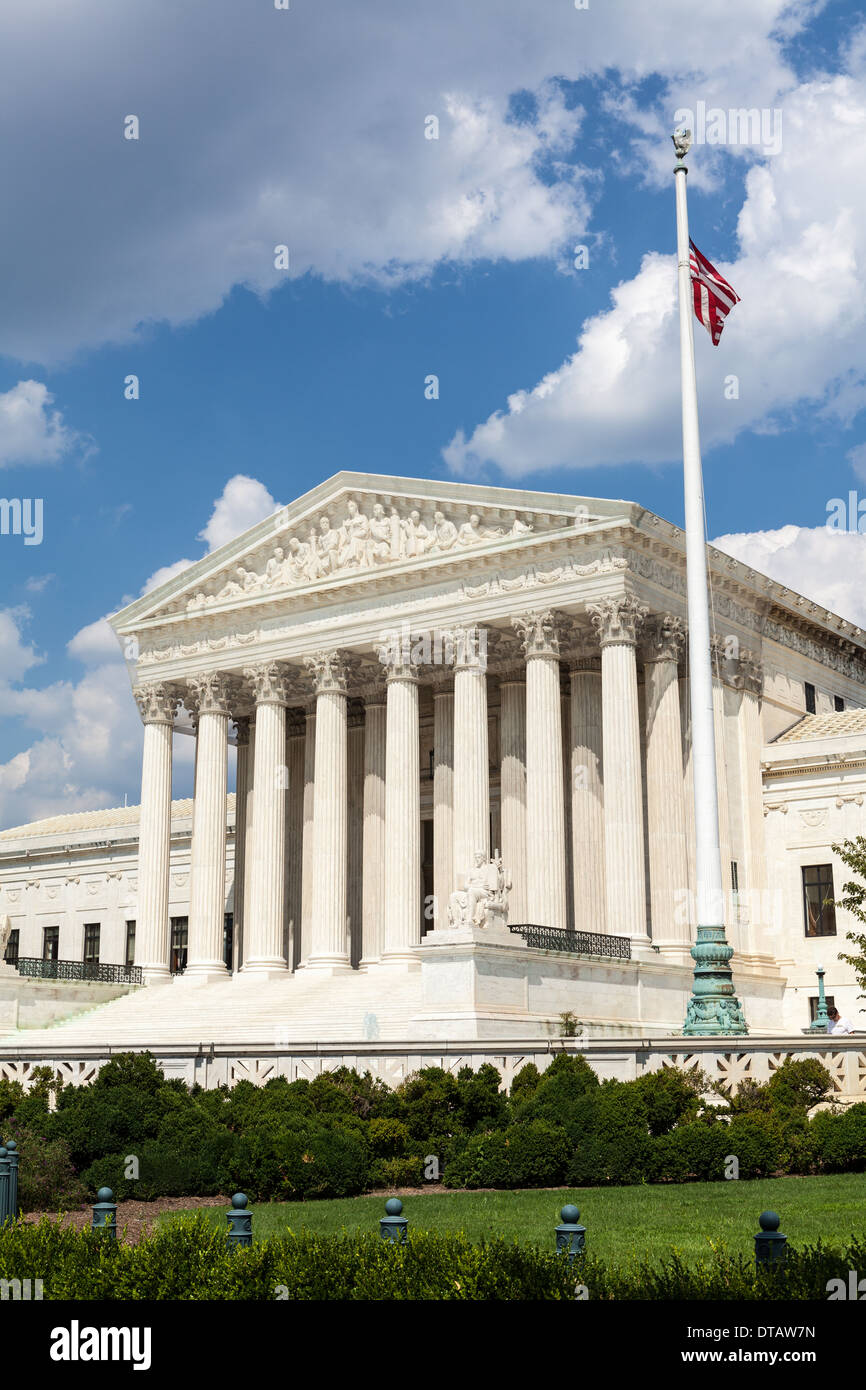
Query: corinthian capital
328	671
211	693
617	619
537	631
664	637
156	702
269	682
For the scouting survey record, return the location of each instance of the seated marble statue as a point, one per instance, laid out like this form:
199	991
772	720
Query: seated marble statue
484	900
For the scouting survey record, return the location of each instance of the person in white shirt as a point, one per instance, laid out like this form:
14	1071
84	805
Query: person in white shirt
838	1024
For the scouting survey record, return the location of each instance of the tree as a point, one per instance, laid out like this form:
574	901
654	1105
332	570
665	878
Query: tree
853	853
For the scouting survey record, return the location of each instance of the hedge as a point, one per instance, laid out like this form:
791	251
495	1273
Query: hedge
188	1261
343	1133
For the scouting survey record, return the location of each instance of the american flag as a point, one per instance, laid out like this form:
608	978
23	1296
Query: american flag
714	297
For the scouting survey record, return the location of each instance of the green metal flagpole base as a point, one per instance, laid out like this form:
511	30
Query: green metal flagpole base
714	1010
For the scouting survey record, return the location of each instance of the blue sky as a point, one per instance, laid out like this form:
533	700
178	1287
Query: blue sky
407	257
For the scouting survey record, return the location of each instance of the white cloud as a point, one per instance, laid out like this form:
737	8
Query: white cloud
88	752
243	503
823	564
30	431
306	128
798	336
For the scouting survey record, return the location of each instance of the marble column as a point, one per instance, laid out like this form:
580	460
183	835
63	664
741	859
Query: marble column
373	907
471	753
329	946
355	831
249	849
402	815
302	947
721	669
157	704
545	792
587	795
295	748
617	622
207	894
242	781
512	740
758	906
664	640
443	801
264	946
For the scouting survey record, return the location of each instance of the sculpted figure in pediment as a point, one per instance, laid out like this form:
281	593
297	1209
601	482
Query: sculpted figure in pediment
417	537
328	545
444	532
380	536
354	534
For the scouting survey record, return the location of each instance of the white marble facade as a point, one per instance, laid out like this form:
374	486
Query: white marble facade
418	672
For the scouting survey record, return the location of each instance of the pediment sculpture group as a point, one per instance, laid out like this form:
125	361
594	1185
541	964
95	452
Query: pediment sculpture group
359	542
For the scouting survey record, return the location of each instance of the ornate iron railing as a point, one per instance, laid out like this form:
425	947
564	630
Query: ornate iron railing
579	943
79	970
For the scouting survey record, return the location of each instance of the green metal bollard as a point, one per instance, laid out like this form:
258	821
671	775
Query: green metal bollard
105	1213
570	1237
770	1245
240	1219
4	1185
12	1198
394	1226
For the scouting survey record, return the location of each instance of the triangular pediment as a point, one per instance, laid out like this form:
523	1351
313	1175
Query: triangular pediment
356	527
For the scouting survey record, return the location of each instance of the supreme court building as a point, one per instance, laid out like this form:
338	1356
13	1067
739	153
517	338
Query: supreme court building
462	802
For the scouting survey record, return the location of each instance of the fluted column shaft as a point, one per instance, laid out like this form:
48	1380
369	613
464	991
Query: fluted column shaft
512	739
402	816
750	739
302	948
294	838
545	791
249	809
587	796
207	899
265	951
666	810
471	757
355	834
242	779
617	622
157	707
373	907
443	802
329	944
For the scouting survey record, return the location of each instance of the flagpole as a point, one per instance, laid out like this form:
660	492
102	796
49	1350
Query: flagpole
713	1008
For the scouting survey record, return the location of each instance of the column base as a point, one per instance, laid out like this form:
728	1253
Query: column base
714	1010
274	969
207	972
329	965
156	975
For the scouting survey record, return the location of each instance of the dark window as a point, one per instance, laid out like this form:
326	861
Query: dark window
228	938
838	704
11	956
817	892
735	876
50	943
179	927
91	942
810	698
130	944
813	1005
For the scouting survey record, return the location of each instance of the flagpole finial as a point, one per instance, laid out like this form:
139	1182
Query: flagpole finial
682	144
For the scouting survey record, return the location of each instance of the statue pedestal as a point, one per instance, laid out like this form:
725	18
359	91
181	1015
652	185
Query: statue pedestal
474	983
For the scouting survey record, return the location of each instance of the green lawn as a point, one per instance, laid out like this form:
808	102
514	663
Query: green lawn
620	1221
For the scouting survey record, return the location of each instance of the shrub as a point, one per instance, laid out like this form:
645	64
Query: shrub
838	1142
694	1150
615	1144
387	1138
405	1171
757	1140
47	1180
